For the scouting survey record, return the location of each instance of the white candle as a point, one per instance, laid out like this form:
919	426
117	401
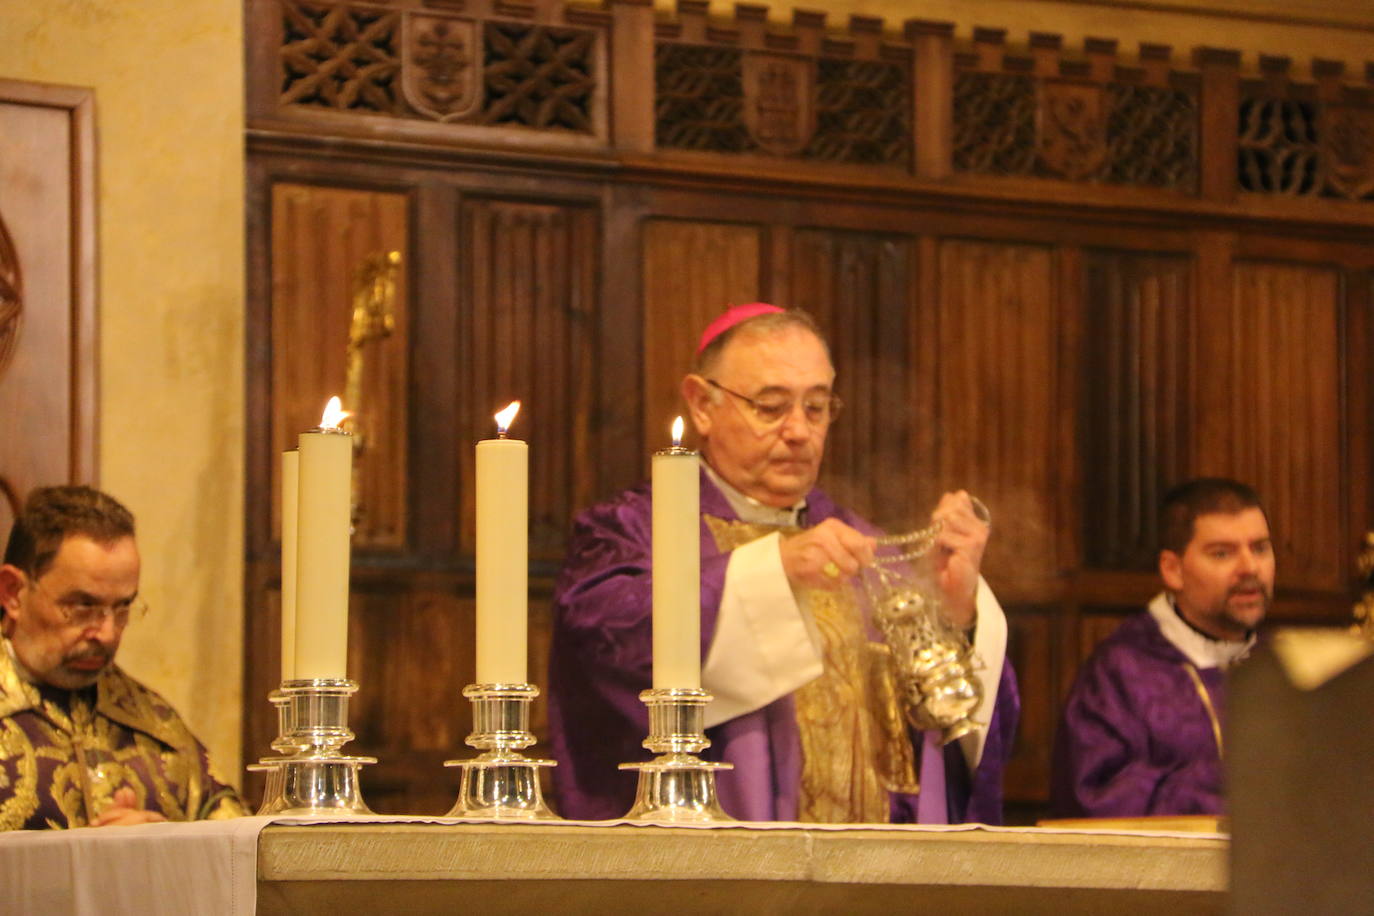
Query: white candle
290	475
677	566
502	555
326	468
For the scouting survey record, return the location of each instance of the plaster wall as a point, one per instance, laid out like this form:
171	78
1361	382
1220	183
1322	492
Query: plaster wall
168	78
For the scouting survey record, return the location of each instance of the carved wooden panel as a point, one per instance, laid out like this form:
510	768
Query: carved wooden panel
994	423
1032	649
1306	139
415	646
1075	124
1134	400
47	290
1275	352
823	108
1095	625
422	63
858	287
693	271
1278	145
528	275
994	123
320	238
411	648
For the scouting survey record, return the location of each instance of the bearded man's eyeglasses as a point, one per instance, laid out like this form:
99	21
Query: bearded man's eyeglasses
820	408
80	612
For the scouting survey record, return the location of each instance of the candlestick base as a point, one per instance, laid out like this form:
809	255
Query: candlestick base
677	786
501	783
311	776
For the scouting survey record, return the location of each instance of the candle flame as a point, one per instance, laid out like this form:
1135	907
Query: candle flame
506	417
677	432
334	414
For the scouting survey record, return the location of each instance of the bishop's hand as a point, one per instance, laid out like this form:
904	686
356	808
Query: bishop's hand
958	556
826	555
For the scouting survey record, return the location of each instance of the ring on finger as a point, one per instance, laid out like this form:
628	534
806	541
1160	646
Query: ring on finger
831	569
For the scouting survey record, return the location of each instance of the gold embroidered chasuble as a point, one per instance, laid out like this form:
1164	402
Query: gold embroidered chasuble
63	754
854	741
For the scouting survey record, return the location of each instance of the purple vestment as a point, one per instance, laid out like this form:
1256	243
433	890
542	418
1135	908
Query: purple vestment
1136	737
602	658
65	753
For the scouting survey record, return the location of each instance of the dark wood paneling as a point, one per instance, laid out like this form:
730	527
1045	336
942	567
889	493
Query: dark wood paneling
1032	646
1276	355
1095	625
1133	430
693	271
528	271
997	399
857	285
320	238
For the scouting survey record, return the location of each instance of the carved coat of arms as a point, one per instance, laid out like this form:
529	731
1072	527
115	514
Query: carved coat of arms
1072	129
779	111
1347	140
441	66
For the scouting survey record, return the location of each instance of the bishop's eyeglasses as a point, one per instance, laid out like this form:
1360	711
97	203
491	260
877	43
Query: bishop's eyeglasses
771	409
84	612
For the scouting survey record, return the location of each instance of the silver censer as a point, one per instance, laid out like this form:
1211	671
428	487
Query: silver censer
311	776
936	667
501	783
677	786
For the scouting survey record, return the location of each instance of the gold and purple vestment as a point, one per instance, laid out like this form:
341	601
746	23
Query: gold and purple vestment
64	753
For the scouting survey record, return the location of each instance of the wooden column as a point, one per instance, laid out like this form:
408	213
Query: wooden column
1219	121
632	58
932	92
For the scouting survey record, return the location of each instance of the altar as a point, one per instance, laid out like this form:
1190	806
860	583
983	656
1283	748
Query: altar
271	866
429	868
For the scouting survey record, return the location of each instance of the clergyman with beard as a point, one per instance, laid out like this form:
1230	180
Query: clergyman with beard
1141	732
81	742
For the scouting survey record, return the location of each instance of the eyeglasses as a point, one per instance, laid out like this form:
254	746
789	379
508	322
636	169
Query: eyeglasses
771	410
86	614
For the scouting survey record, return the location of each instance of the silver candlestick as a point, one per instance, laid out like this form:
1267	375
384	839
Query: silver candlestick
677	786
311	776
500	782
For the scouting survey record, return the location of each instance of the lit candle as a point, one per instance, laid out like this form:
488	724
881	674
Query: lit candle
677	566
290	474
502	554
322	548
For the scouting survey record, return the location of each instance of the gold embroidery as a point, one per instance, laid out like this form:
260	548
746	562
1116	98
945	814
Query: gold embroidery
1207	705
132	738
15	694
221	806
853	736
16	750
896	758
67	792
839	748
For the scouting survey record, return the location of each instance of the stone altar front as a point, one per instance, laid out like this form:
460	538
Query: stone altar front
511	868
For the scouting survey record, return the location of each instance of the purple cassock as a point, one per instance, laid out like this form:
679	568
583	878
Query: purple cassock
1141	730
602	658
